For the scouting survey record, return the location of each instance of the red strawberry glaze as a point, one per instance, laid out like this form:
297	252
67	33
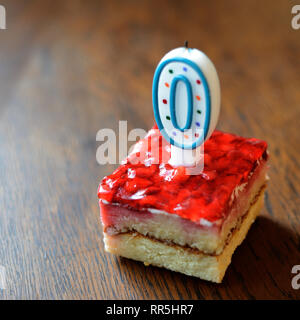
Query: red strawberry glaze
146	180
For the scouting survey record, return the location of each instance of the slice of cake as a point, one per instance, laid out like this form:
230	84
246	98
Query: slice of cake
157	214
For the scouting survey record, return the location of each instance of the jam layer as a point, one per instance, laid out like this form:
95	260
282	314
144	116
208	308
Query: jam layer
146	180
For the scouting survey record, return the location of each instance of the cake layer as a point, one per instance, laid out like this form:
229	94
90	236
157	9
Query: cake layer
178	258
202	235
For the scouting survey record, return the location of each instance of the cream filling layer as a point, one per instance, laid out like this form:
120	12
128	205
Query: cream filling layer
205	236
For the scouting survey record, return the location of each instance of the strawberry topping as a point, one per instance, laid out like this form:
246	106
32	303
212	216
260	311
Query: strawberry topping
146	180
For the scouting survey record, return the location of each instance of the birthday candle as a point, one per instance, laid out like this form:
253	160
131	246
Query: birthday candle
186	102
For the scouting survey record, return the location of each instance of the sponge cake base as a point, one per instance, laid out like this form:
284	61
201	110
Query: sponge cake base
186	260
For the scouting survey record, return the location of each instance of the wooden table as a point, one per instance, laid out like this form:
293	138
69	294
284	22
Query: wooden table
69	68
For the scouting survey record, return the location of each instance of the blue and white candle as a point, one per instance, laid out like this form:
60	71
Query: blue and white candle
186	102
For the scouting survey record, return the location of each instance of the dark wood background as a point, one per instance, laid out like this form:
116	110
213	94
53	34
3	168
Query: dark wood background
69	68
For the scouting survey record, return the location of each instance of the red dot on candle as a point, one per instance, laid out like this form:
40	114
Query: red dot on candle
198	82
167	85
165	101
197	97
197	135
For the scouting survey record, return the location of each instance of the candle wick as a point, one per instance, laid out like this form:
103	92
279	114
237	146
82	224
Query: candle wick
186	44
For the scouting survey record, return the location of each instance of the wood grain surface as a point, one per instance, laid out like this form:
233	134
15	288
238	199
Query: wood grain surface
69	68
